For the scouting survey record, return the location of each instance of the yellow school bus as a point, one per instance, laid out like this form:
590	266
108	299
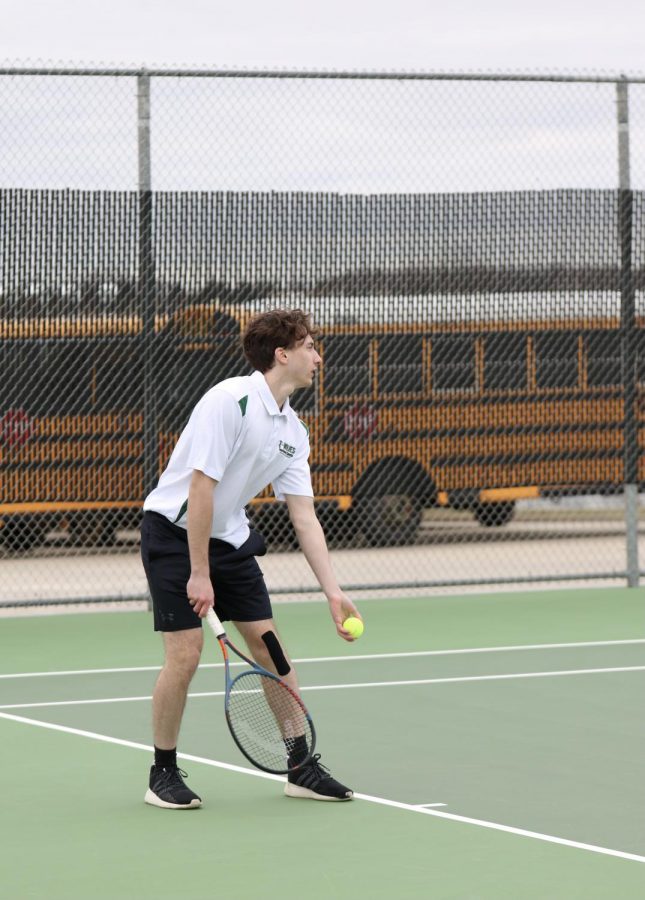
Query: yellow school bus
471	402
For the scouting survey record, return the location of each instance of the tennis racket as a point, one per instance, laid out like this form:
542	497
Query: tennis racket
267	719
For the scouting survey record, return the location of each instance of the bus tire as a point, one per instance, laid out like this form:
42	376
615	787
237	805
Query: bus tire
22	533
389	503
92	528
494	515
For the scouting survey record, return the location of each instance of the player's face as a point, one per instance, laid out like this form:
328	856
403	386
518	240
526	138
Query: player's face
304	360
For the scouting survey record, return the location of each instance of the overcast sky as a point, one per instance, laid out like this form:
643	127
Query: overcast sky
347	136
571	36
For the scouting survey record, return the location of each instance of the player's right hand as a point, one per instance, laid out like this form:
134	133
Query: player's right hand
200	594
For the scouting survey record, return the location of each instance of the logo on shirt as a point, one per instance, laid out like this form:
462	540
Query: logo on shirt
286	449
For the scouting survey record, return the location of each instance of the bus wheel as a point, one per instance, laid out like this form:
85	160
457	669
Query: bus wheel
388	519
494	514
21	534
92	529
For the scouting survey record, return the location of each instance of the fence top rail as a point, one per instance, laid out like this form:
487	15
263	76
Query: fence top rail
321	74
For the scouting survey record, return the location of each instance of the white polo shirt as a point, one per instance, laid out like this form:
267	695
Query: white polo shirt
238	436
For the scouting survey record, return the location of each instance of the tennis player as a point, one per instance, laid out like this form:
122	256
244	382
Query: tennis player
198	550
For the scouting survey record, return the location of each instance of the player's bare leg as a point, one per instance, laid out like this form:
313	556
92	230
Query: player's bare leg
182	653
183	650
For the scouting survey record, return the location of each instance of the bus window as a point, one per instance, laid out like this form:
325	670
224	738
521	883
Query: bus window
556	359
304	399
640	356
17	373
189	370
505	362
346	365
55	378
453	362
604	358
117	377
400	364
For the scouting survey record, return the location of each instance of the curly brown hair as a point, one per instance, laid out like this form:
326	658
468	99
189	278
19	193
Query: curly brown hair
269	330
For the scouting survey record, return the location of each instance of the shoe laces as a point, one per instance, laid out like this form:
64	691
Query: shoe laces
317	767
171	775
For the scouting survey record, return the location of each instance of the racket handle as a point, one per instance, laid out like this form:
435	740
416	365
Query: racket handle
215	624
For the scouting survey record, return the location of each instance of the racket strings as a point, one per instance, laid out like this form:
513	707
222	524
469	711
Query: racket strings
267	720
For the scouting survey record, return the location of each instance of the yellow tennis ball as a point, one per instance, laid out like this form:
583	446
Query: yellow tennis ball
354	626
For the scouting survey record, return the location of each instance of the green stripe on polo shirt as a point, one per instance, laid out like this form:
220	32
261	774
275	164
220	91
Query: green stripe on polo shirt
304	425
242	402
184	507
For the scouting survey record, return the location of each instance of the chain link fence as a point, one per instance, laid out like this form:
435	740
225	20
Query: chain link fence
472	251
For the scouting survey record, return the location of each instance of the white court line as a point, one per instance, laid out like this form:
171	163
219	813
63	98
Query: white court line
337	687
357	658
422	810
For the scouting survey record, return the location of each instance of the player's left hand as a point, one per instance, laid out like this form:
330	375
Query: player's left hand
341	608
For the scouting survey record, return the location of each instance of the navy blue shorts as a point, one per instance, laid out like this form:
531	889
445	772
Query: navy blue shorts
240	592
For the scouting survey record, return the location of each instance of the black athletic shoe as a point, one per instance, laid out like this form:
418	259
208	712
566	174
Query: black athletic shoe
314	781
167	789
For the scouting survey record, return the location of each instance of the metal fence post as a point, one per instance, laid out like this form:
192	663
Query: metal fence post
146	281
628	325
146	285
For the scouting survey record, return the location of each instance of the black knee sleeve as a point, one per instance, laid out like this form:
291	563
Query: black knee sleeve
276	653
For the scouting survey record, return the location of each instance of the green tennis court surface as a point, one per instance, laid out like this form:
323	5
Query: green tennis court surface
495	743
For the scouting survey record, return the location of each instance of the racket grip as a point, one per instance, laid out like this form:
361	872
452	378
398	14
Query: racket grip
215	624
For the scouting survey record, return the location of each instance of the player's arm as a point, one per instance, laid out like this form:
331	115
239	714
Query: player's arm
314	546
216	422
199	519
